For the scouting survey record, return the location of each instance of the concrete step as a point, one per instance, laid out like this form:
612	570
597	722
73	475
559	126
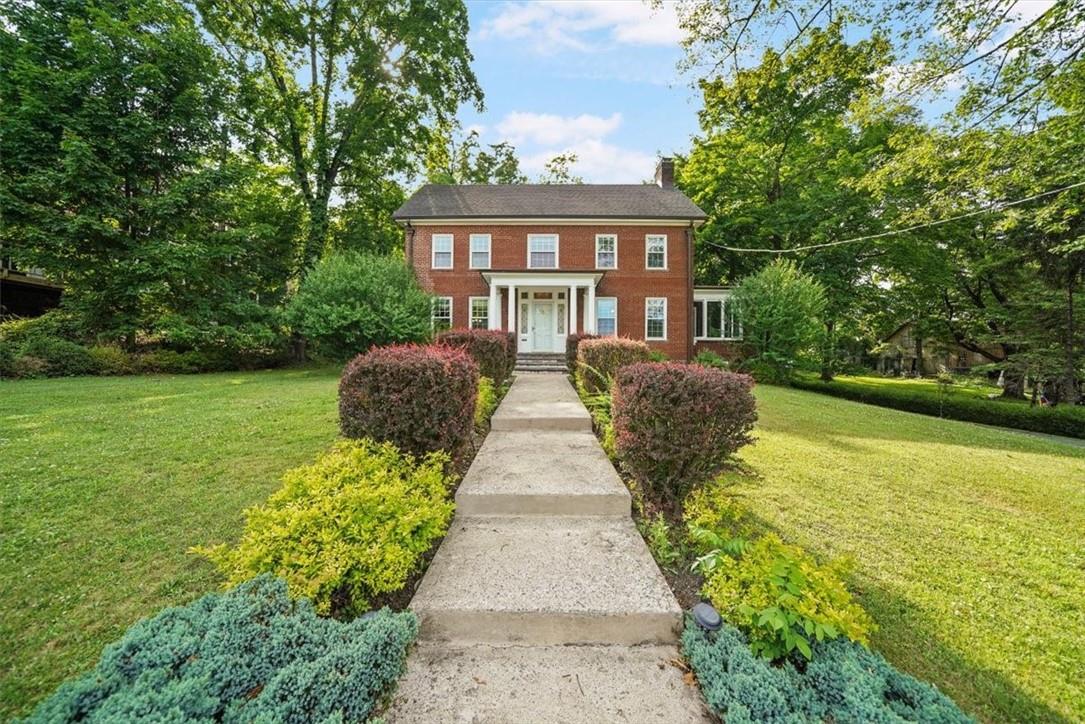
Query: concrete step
571	684
544	401
538	368
545	580
541	473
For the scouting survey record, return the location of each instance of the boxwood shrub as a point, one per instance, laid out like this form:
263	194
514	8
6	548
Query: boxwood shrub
61	357
420	398
352	526
486	403
677	425
845	682
572	344
1068	420
248	655
598	360
489	349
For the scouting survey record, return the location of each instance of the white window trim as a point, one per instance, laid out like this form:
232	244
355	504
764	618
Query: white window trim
471	311
557	251
471	251
701	335
451	251
615	237
596	313
655	299
666	243
451	314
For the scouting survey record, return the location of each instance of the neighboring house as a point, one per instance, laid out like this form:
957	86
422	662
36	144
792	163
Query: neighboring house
902	353
25	293
553	260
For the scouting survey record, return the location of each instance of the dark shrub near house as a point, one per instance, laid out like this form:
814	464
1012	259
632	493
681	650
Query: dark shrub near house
420	398
572	344
599	359
489	349
251	654
61	357
677	425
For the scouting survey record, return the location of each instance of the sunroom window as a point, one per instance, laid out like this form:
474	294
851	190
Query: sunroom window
716	319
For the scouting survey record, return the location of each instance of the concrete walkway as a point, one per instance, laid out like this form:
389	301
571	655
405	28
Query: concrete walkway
543	602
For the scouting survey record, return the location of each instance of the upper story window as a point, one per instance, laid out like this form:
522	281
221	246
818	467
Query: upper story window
655	318
655	251
480	251
606	251
542	251
442	251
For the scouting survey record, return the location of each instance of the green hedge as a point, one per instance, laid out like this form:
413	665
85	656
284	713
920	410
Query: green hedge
249	655
1062	420
845	682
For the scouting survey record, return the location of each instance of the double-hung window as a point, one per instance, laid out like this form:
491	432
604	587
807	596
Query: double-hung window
441	314
442	251
606	251
655	251
480	251
480	312
655	318
606	316
715	318
542	251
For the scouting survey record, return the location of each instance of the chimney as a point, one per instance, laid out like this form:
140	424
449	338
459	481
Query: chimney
665	173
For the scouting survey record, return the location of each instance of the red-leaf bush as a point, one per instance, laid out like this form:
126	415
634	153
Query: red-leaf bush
572	342
489	349
677	425
420	398
599	359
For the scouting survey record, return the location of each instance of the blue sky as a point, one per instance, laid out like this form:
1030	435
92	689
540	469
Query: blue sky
597	79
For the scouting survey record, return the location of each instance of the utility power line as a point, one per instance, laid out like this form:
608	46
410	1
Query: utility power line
986	210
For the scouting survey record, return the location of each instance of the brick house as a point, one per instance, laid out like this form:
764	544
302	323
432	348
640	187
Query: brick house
554	260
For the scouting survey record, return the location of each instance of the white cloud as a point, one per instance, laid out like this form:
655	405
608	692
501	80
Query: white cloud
597	162
552	25
550	129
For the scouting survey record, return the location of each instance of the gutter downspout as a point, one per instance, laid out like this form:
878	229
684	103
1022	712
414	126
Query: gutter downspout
408	245
690	316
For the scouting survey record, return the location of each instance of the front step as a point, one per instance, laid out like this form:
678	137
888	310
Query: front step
534	362
541	402
570	684
541	473
544	581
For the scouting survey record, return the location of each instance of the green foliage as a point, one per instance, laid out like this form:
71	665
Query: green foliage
60	357
845	682
489	349
780	307
453	158
782	599
661	541
599	359
559	170
708	358
250	654
486	403
599	407
7	360
111	360
657	355
1068	420
54	324
350	302
350	527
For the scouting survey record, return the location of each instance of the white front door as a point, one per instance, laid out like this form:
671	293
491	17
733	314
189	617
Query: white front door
542	326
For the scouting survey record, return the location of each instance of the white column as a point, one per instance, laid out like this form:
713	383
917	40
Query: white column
589	313
572	310
495	306
510	319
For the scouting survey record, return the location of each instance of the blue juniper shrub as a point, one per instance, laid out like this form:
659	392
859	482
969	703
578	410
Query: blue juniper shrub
845	682
248	655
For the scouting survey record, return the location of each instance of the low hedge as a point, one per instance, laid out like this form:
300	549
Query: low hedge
486	403
598	360
677	425
1065	420
61	358
420	398
845	682
352	526
249	655
489	349
572	345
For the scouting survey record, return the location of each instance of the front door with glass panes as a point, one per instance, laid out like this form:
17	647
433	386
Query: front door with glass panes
542	320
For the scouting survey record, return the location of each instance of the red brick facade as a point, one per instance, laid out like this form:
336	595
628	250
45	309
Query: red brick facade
631	282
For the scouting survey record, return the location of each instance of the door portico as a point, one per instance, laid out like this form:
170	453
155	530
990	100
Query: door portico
542	308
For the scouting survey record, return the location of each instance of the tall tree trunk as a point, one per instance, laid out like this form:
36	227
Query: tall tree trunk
828	352
317	235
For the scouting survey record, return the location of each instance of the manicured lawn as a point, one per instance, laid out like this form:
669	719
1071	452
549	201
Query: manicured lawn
106	482
969	542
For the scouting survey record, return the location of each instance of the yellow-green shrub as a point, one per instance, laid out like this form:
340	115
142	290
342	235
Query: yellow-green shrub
111	360
783	599
715	508
485	403
351	526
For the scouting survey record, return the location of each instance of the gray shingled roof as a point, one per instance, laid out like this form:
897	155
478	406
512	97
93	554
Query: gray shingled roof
627	201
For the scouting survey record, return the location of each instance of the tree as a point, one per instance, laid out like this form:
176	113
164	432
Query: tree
350	302
464	161
343	88
780	309
559	170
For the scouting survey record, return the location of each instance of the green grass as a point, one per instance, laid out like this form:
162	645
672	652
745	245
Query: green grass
968	542
106	482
